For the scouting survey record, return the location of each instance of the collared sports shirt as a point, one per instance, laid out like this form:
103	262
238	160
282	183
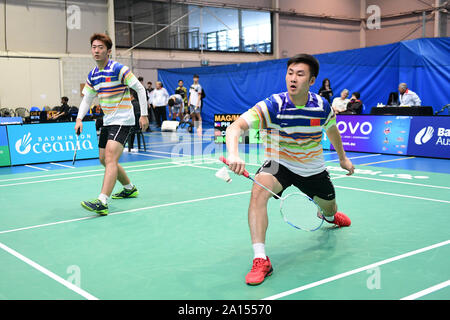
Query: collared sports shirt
293	134
111	85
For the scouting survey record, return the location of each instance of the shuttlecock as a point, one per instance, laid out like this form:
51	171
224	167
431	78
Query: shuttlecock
223	174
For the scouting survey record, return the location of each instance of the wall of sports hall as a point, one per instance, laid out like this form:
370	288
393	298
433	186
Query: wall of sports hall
44	44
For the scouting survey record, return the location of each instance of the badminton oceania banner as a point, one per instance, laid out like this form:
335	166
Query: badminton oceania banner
36	143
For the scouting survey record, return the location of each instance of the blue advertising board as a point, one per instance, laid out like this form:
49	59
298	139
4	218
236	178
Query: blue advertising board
4	149
36	143
325	141
430	137
10	120
382	134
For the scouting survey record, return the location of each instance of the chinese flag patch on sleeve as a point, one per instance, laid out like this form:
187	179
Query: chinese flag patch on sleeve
314	122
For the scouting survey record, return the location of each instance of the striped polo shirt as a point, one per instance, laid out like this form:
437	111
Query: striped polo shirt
111	85
293	134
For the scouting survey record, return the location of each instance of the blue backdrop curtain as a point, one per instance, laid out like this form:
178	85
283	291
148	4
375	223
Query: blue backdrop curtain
424	64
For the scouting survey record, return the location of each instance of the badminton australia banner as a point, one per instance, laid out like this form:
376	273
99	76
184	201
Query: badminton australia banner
430	137
35	143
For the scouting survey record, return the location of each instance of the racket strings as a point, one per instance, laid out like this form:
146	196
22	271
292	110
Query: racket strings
301	212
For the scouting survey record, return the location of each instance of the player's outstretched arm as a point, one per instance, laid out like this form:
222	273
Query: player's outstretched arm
335	138
237	128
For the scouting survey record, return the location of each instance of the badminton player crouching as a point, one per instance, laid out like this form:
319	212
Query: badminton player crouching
294	121
111	81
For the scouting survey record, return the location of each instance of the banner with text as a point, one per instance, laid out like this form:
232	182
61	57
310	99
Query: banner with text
382	134
430	137
35	143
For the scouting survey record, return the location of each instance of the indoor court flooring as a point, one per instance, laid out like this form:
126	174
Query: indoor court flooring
186	236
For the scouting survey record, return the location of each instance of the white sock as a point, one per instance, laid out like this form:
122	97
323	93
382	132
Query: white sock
329	218
103	198
259	250
129	186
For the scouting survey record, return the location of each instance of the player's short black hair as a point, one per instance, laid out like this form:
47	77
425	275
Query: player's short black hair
311	61
171	102
356	94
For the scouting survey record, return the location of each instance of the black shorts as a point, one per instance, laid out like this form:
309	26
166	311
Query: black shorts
319	185
115	132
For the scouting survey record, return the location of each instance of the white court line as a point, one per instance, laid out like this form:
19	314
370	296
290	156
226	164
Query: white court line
96	170
169	153
393	194
37	168
357	157
158	144
148	155
357	177
427	291
84	176
62	165
354	271
357	189
174	161
126	211
400	182
48	273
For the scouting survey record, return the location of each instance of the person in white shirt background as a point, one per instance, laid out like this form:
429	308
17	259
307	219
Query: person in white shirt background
408	97
340	103
195	103
159	99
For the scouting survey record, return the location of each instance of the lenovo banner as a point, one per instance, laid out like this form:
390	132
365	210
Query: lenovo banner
381	134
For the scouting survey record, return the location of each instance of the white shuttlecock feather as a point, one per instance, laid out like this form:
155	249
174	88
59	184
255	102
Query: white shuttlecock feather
223	174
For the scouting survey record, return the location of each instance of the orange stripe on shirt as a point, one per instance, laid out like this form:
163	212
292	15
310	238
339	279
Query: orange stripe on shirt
294	155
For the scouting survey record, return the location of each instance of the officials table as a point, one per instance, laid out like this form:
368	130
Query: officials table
403	111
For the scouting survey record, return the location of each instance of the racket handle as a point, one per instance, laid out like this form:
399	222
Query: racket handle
224	160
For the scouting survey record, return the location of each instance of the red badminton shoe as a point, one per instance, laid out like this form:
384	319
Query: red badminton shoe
340	219
260	270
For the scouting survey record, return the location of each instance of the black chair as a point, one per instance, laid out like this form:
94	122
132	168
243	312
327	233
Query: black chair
73	112
136	131
393	99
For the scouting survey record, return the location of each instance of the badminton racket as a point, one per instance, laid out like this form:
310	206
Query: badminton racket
76	147
297	209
